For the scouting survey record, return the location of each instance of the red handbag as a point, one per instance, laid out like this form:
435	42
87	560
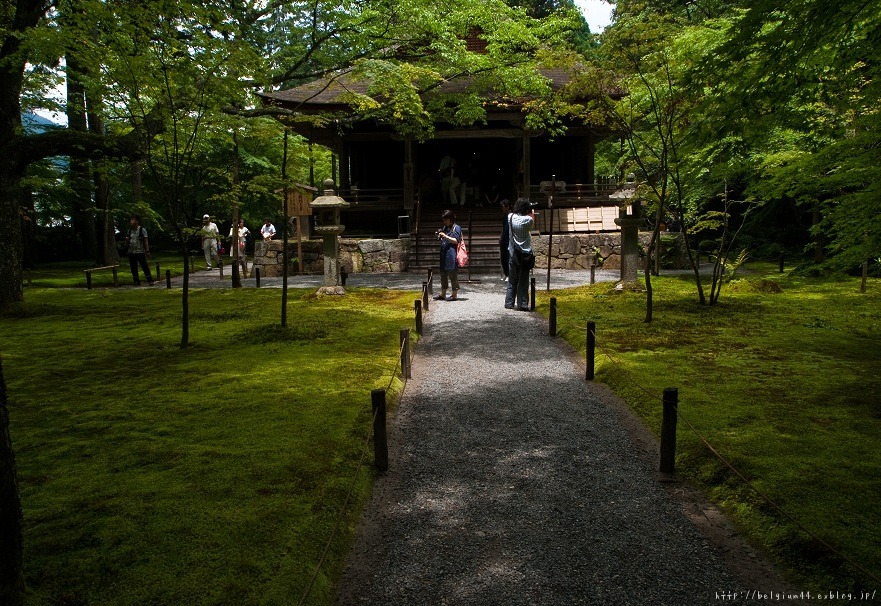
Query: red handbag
461	254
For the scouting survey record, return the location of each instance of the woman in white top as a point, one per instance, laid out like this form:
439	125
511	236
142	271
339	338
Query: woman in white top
243	240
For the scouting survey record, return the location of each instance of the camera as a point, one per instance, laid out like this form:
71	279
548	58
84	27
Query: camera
438	233
533	205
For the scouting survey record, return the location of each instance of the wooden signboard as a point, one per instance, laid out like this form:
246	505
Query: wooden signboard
299	197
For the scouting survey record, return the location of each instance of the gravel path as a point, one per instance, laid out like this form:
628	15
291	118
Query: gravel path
510	483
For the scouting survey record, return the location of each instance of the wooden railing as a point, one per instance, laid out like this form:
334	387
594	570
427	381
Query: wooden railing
573	195
375	198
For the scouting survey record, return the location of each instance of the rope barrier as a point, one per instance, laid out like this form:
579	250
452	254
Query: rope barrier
653	396
364	450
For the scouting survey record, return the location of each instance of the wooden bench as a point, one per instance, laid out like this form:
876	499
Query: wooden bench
89	271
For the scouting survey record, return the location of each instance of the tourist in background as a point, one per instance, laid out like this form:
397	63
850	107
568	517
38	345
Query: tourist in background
268	229
138	250
210	235
450	235
522	258
243	233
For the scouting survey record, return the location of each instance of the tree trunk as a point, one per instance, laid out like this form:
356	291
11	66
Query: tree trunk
284	232
10	244
108	254
28	230
818	235
185	298
236	277
11	538
78	173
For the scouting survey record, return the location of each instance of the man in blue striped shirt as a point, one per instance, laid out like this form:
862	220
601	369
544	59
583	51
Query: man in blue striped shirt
520	253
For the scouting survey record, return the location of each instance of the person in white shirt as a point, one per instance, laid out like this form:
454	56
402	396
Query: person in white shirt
210	234
243	238
268	230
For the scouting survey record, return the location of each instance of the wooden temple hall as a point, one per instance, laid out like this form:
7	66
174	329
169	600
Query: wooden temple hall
398	186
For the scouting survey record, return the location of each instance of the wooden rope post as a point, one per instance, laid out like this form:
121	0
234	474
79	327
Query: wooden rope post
425	296
257	277
532	294
380	439
167	278
417	307
405	353
590	353
552	318
115	276
668	430
593	272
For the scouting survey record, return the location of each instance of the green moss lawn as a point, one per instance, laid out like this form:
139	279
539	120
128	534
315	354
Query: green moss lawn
210	475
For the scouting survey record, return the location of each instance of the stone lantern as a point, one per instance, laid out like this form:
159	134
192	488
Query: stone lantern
326	209
629	219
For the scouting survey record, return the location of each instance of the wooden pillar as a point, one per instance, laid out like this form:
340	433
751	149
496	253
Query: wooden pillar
409	167
591	158
345	177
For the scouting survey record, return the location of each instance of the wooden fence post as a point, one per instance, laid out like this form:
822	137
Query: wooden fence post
405	353
167	278
417	307
668	430
532	294
380	440
591	350
552	318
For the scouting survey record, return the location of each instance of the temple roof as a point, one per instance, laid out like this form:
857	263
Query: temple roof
329	93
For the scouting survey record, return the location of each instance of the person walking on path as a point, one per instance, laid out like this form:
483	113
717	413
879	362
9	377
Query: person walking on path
519	249
210	235
138	250
511	483
450	235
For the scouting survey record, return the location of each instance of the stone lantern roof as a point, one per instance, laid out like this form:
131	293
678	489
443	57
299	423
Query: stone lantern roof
329	200
327	207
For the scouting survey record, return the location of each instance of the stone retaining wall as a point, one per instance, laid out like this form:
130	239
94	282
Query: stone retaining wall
356	256
578	251
569	251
